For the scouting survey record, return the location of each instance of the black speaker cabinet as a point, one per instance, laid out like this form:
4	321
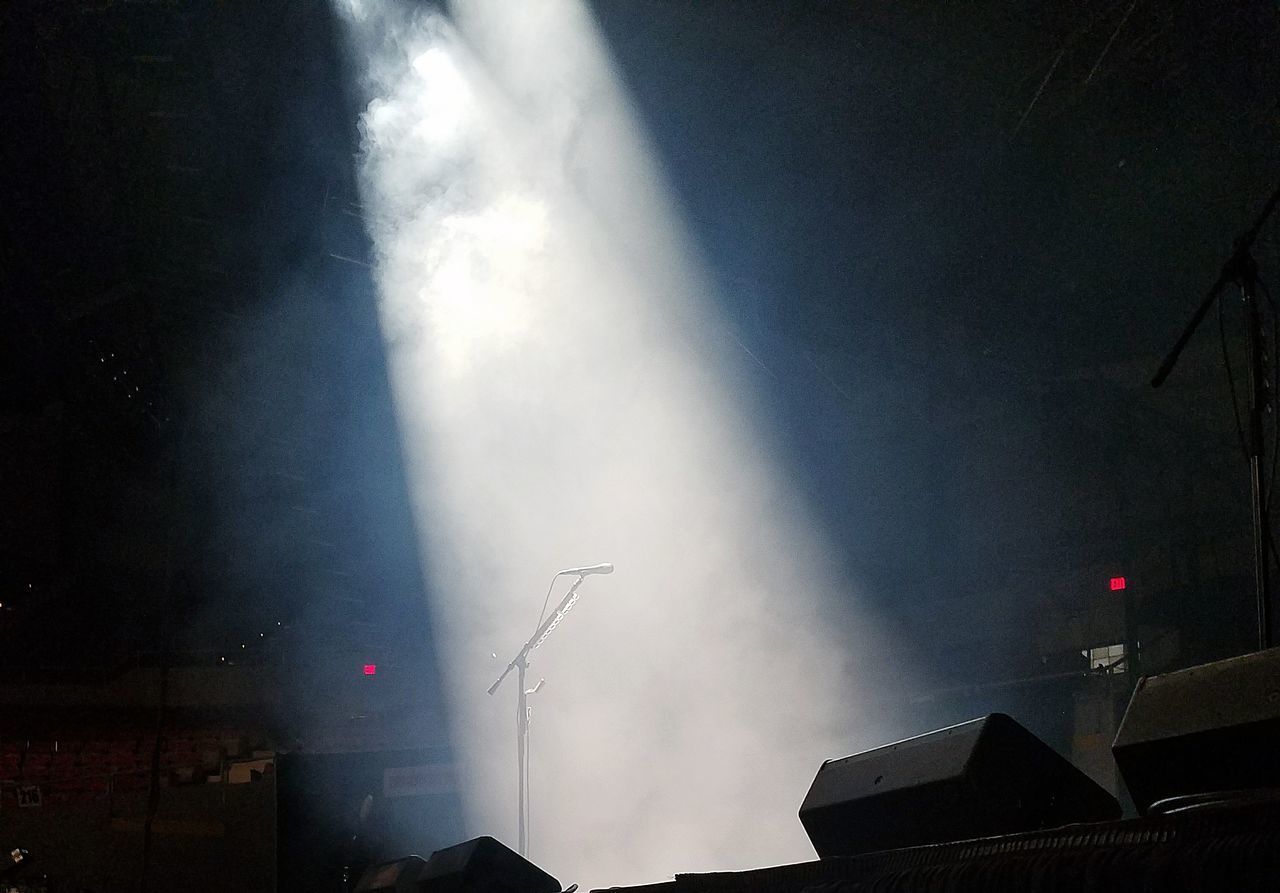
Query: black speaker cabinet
1215	727
980	778
483	865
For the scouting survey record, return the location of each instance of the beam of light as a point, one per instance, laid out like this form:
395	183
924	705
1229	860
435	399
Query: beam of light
565	397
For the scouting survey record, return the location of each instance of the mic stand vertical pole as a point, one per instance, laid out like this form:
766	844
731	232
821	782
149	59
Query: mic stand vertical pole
522	750
520	663
1247	275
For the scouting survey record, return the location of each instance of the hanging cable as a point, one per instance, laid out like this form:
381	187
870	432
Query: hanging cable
545	601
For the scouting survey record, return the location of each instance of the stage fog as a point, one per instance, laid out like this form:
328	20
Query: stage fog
566	396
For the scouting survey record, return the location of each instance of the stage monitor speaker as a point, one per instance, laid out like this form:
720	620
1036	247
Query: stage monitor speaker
483	865
980	778
1211	728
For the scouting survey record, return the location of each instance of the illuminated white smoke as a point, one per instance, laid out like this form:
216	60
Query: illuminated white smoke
564	400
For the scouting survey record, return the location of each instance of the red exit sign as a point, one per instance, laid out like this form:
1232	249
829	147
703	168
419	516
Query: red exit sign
1118	583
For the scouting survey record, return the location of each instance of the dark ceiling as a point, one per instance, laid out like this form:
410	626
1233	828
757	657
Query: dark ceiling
955	237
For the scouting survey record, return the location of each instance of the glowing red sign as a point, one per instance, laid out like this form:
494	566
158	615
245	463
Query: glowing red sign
371	669
1117	583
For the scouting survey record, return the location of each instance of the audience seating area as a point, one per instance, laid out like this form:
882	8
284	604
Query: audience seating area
100	764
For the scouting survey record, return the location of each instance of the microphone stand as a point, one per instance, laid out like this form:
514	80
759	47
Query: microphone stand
1242	269
520	663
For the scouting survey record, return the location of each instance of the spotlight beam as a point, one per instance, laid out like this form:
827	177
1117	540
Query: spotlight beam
515	206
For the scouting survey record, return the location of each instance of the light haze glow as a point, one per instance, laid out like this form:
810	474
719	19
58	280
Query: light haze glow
566	396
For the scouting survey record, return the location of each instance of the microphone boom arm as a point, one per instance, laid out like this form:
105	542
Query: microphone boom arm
1238	263
1241	269
522	657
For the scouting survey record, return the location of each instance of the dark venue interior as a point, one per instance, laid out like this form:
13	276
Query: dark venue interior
804	350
